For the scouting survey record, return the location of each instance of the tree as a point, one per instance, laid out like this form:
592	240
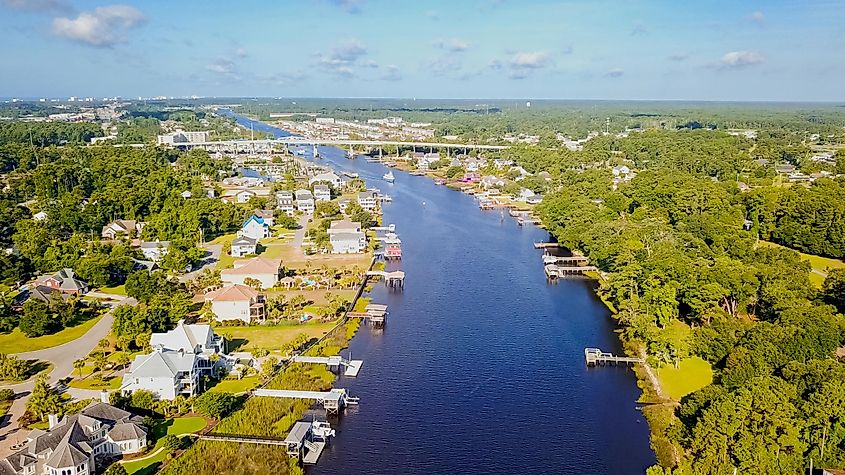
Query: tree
36	319
216	405
78	365
326	209
123	359
253	282
834	289
44	399
116	469
13	368
171	443
104	344
268	367
453	172
143	399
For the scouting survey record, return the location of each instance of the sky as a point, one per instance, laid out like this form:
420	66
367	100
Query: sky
737	50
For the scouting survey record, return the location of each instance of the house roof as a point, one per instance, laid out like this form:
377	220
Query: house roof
330	177
160	364
244	241
321	188
232	293
43	293
122	225
67	280
126	431
303	195
155	244
256	265
346	236
344	225
185	337
366	195
255	218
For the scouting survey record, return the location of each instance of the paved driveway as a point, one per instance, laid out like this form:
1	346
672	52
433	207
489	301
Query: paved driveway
62	357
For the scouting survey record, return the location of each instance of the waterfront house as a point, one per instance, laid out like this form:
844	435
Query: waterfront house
65	281
193	338
243	246
344	204
122	227
525	194
304	201
284	201
255	228
346	237
165	373
322	193
368	200
237	302
75	445
264	270
331	178
243	196
155	250
491	181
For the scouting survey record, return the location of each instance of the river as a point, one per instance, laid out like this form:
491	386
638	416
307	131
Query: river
480	368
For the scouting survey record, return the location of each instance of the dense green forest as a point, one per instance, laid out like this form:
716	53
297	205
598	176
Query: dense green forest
685	274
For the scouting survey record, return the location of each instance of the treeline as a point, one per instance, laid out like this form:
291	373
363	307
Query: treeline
687	279
82	189
44	134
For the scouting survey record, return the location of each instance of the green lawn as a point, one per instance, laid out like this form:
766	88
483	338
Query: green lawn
819	263
235	385
112	382
691	375
116	290
273	337
17	342
178	426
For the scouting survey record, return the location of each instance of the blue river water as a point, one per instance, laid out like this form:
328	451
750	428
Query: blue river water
480	368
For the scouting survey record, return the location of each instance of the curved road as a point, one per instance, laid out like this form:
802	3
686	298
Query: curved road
62	357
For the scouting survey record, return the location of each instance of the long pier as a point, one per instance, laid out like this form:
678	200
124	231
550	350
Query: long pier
596	357
351	367
243	439
548	259
554	271
333	401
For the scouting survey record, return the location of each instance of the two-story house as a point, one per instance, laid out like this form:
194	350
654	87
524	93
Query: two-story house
255	227
284	201
368	200
346	237
237	302
304	201
165	373
322	193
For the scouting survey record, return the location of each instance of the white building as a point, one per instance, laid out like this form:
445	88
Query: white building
304	201
74	445
331	178
197	339
181	137
284	201
254	228
368	200
125	227
155	250
243	246
165	373
237	302
322	193
264	270
346	237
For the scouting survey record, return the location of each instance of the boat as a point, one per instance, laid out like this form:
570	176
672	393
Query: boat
350	174
350	154
388	177
300	152
439	181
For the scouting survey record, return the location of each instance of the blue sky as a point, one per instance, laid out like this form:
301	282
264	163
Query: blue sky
588	49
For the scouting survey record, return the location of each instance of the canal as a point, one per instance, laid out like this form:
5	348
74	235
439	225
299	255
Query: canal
480	368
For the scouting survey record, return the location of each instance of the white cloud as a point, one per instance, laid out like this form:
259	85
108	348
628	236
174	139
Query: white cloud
343	57
529	60
349	6
104	27
739	59
241	53
757	17
456	45
222	66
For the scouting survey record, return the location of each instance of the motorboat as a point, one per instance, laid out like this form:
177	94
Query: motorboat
388	177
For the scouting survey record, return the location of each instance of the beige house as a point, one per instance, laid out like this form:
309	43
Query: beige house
261	269
237	302
122	227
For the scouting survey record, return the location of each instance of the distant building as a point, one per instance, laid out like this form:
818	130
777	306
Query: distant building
255	228
322	193
243	246
181	137
368	200
66	282
346	237
122	227
284	201
331	178
155	250
304	201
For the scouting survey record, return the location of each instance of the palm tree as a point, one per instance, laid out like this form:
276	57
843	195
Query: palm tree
104	343
78	365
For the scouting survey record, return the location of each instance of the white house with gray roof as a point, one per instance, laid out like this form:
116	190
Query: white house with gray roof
75	444
165	373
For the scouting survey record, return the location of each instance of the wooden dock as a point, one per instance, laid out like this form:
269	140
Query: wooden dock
243	439
546	245
554	271
596	357
374	313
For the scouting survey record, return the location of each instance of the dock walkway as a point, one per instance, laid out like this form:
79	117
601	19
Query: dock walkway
596	357
351	367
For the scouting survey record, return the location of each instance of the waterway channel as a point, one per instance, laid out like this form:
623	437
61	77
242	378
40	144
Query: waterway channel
480	368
